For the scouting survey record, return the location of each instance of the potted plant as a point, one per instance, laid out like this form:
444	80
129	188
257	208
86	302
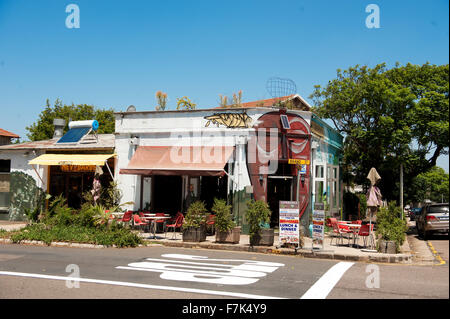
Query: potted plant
226	229
258	216
391	229
194	225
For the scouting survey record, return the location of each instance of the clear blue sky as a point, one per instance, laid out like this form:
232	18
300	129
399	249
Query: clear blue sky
125	51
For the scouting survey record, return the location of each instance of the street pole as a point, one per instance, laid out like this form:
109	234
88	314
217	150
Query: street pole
401	188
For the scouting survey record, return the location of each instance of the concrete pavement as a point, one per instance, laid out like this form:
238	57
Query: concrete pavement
413	250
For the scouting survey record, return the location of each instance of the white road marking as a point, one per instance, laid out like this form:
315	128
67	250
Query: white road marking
137	285
245	273
326	283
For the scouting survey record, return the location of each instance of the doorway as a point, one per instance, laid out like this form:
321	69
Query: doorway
279	188
167	194
212	187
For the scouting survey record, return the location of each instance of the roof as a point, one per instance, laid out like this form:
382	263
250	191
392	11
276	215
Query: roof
301	104
270	102
8	134
105	141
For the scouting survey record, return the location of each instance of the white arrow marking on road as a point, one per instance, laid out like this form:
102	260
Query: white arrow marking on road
242	274
326	283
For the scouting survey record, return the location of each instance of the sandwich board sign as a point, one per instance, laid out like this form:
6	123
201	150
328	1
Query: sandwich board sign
318	224
289	223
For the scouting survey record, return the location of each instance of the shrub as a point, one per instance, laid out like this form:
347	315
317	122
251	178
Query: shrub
223	220
258	213
196	215
390	225
119	236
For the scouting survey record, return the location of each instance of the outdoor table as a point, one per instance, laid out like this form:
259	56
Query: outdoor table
355	230
152	218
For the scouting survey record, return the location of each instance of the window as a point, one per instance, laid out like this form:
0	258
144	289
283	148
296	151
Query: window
5	169
5	166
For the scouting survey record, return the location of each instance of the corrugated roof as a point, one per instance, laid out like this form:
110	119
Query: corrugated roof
105	141
8	134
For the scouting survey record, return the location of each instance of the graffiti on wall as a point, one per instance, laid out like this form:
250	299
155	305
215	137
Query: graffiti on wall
230	120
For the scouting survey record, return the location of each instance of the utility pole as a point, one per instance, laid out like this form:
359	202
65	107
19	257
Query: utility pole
401	188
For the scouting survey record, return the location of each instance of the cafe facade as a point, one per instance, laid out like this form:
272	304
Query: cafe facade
37	168
236	154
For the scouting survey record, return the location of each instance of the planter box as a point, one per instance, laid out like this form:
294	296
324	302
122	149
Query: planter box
233	236
263	238
387	247
194	234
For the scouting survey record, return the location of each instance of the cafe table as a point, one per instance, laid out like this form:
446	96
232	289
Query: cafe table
355	230
152	218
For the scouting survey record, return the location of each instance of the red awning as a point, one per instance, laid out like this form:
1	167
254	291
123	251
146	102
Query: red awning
179	160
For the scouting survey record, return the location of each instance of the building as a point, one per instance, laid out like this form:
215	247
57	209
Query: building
250	152
256	151
48	167
6	137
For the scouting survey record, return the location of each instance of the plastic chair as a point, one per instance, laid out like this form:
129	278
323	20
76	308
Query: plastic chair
178	223
138	222
210	223
339	231
159	221
365	233
126	218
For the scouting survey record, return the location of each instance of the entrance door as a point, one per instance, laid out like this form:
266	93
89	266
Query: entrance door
167	194
333	189
278	188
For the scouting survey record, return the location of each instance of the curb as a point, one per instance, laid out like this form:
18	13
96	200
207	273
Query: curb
376	257
381	258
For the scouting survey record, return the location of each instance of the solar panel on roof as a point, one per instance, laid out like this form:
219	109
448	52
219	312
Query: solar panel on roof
74	135
285	122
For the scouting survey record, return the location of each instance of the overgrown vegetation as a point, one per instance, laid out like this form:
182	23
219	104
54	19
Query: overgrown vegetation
390	225
223	217
196	215
257	215
90	224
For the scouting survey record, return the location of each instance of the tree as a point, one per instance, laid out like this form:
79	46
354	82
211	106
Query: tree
388	117
185	103
432	185
43	128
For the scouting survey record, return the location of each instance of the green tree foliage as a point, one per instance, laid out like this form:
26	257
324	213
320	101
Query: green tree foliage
432	185
43	128
389	116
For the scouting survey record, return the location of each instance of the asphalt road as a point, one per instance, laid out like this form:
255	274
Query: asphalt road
176	273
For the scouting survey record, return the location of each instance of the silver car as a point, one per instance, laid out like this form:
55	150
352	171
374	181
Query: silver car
432	219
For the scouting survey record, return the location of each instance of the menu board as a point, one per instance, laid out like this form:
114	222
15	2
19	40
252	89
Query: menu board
289	223
318	223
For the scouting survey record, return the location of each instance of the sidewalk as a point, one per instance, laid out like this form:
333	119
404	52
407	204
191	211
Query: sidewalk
341	252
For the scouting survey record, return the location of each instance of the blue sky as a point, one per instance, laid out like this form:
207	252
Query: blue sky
125	51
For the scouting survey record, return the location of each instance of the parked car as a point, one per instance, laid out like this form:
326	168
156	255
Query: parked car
432	219
414	212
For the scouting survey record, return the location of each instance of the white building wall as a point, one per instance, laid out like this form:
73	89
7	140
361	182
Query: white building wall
182	128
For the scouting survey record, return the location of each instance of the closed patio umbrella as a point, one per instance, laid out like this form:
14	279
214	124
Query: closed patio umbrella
373	201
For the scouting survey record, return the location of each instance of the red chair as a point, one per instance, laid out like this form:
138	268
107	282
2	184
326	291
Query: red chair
340	231
365	232
160	221
331	221
126	218
178	223
138	222
359	222
210	224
